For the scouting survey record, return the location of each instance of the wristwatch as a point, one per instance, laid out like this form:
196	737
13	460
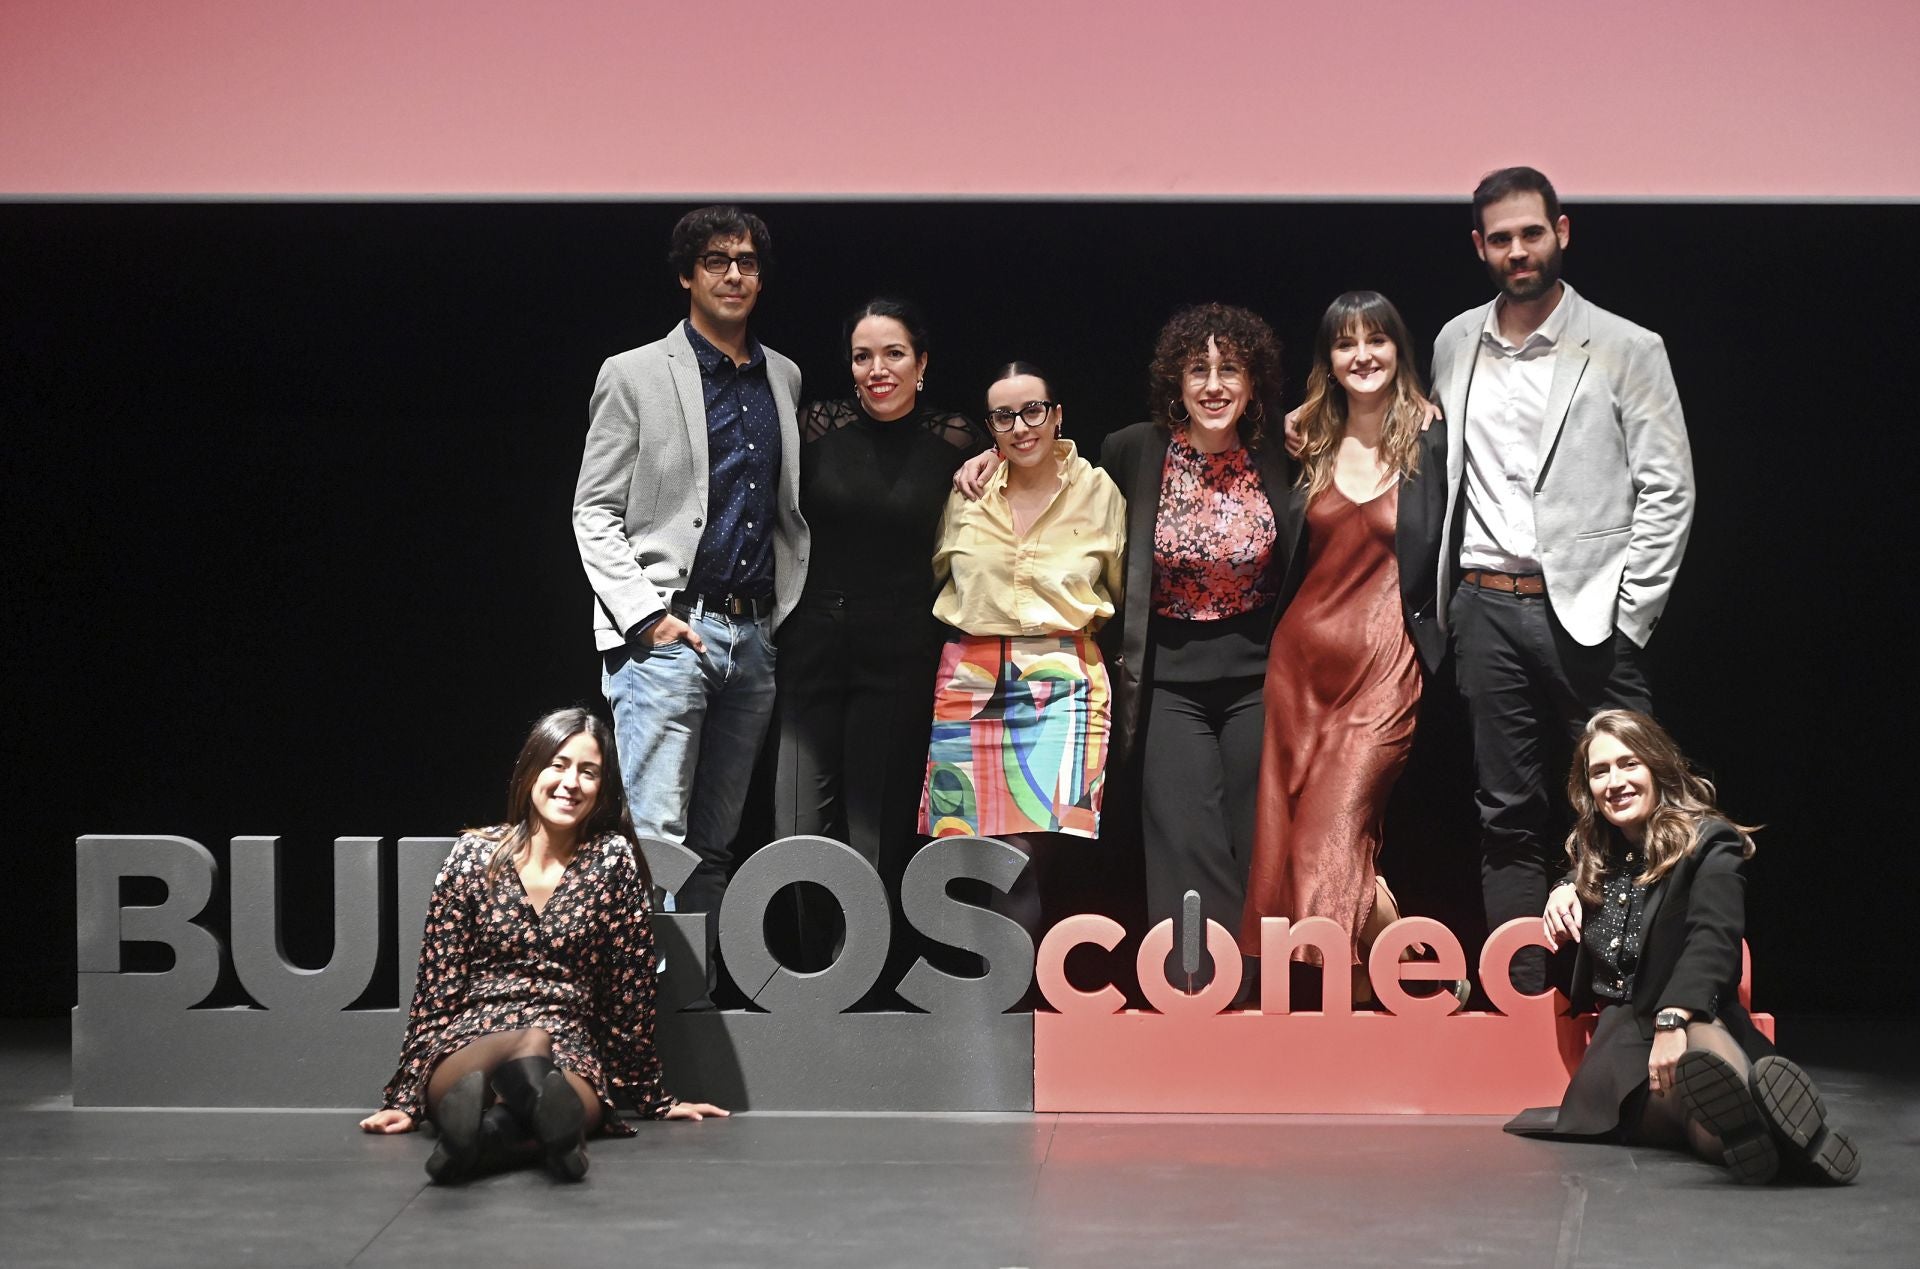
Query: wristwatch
1671	1020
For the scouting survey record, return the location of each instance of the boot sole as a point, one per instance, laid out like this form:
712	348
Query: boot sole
1798	1114
1715	1094
458	1149
559	1125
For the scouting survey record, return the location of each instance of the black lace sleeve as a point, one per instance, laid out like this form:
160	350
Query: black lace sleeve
958	431
818	418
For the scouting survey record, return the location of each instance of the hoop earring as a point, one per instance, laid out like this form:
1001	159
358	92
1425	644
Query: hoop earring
1261	416
1178	418
920	384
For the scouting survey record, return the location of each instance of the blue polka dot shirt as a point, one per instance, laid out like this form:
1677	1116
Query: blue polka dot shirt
743	467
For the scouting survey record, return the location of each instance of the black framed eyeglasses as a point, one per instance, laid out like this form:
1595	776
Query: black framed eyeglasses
717	262
1034	414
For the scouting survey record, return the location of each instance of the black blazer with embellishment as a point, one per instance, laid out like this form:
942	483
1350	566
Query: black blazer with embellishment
1694	921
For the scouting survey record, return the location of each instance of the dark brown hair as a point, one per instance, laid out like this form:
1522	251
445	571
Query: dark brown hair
1508	181
703	224
609	814
1241	332
1323	415
1683	798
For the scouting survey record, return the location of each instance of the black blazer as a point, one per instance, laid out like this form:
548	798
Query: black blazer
1416	546
1696	917
1135	457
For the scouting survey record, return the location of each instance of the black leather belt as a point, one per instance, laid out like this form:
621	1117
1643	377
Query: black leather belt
692	603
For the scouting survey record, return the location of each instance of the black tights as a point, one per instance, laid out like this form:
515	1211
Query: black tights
488	1053
1664	1120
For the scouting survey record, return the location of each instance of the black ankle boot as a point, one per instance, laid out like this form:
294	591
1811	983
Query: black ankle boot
503	1146
1811	1148
458	1119
1716	1095
543	1102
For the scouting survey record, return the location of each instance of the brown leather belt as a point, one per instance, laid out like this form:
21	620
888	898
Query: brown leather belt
1511	583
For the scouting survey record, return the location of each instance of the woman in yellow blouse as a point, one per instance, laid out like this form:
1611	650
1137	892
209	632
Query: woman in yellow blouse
1028	572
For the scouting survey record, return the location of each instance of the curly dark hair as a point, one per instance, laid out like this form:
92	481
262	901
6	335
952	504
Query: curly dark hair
1240	331
703	224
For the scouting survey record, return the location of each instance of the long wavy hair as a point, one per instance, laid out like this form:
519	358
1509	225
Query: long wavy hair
1240	332
609	814
1683	798
1323	415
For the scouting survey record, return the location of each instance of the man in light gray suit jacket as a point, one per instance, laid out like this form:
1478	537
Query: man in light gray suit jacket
687	514
1570	499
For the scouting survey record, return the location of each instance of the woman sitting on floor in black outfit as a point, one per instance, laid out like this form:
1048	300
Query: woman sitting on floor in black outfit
1657	902
534	1005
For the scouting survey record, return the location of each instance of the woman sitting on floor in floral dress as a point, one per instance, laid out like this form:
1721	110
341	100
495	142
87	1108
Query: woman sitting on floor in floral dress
534	1006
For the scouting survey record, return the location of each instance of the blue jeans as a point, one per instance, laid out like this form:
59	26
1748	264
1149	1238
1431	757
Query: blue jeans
689	726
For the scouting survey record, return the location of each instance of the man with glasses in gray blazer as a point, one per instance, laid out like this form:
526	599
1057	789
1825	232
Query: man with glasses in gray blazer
687	514
1570	497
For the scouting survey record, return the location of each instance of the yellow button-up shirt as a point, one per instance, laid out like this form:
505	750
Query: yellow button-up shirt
1065	575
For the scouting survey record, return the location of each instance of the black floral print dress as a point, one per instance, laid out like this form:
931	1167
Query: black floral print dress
580	970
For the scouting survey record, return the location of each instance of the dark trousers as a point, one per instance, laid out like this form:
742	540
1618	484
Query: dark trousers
855	711
1530	689
1200	774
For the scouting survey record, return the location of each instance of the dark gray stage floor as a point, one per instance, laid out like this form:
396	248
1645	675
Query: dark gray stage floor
153	1188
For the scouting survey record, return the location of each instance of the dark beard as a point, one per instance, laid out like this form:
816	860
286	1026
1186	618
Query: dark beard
1545	276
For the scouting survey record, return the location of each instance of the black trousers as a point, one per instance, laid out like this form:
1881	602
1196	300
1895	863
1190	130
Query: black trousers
1199	778
855	712
1529	689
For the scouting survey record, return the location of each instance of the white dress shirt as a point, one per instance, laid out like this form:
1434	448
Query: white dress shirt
1506	413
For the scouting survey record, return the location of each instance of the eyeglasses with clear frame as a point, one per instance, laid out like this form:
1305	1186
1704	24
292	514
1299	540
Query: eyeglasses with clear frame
1034	414
718	262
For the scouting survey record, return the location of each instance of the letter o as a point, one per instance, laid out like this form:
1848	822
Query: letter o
855	886
1170	1000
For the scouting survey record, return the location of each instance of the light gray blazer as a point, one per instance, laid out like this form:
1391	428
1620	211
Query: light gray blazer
641	501
1613	503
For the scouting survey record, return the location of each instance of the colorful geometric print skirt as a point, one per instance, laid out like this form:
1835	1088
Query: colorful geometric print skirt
1020	734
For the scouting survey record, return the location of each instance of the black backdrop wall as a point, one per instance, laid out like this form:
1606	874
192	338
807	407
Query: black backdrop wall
286	508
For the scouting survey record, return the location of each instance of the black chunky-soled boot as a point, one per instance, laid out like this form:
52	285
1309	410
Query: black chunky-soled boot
1812	1149
541	1099
1717	1095
458	1119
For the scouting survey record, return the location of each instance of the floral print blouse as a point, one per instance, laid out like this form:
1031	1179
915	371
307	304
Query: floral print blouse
1213	537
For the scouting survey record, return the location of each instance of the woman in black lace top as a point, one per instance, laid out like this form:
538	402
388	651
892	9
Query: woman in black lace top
857	657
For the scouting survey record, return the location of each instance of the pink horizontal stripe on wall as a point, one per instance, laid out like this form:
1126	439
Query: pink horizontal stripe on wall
1389	98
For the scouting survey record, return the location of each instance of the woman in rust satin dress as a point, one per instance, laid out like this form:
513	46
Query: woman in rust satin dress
1344	673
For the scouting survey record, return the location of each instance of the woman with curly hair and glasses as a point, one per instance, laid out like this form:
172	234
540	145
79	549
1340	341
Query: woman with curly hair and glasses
533	1012
1656	901
1343	680
1206	486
